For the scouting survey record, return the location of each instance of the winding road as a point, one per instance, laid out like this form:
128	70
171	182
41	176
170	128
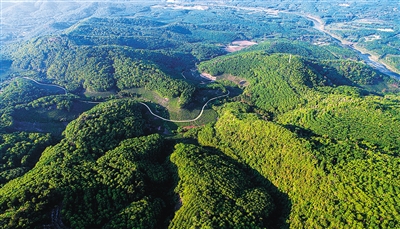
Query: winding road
191	120
64	89
151	112
45	84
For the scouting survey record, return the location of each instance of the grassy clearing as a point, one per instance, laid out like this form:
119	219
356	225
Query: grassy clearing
168	108
239	81
49	119
102	95
146	95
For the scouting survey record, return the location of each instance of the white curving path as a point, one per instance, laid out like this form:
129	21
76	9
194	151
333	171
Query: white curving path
191	120
46	84
168	120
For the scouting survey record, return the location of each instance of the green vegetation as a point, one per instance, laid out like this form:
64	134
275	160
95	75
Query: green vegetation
92	175
19	152
303	49
291	152
216	191
23	91
133	74
21	96
268	88
368	120
279	83
308	137
97	69
326	180
393	61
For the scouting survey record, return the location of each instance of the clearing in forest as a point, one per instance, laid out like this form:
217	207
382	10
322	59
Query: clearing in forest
239	45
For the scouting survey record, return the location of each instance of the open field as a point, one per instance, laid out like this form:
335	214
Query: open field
239	45
169	109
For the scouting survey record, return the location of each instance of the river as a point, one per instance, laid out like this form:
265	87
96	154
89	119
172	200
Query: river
375	64
320	26
367	58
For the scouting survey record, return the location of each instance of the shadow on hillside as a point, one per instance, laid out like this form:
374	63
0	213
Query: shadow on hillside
279	215
172	199
329	76
300	131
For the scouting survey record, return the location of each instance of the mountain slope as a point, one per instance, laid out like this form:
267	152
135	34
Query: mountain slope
324	191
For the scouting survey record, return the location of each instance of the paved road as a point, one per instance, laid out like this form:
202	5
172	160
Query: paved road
45	84
168	120
191	120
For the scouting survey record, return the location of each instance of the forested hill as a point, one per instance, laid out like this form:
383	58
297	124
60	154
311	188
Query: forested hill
98	69
103	173
289	134
308	143
279	82
330	98
323	137
331	182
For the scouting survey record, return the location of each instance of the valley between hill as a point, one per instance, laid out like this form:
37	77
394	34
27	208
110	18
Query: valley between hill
107	121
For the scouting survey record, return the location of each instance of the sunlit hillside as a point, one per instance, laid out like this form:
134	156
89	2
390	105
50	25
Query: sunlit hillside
199	114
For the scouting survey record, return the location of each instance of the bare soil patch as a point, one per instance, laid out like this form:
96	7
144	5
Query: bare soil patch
237	80
208	76
239	45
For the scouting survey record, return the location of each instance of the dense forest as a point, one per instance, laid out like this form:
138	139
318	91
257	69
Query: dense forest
319	138
146	118
290	150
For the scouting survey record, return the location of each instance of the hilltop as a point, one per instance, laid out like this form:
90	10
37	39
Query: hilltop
290	128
